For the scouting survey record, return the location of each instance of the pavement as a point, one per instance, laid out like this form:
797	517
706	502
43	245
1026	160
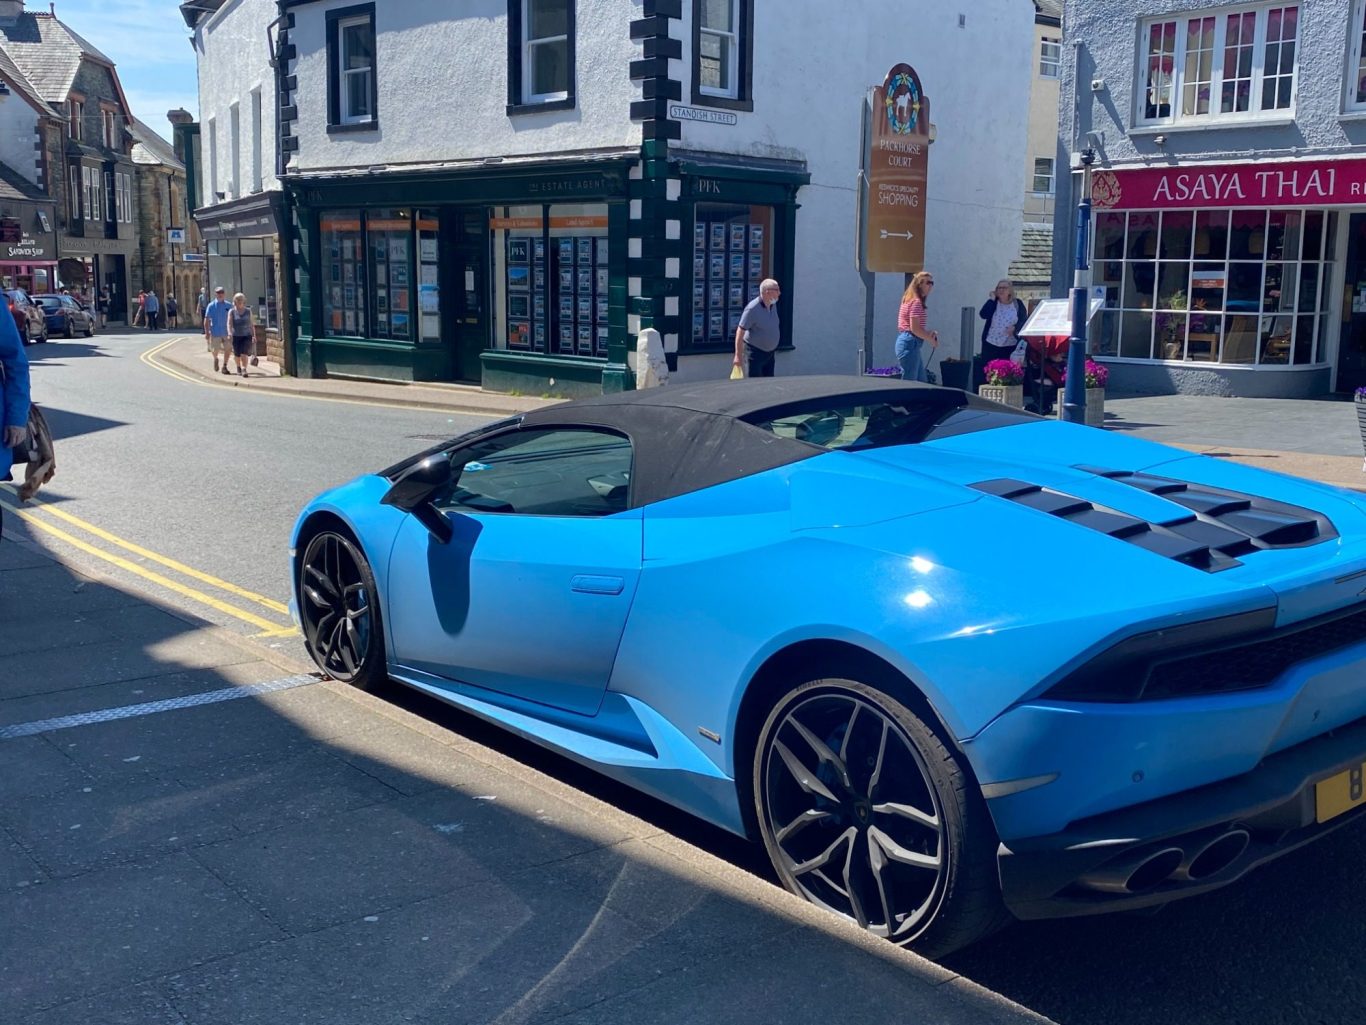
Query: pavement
197	830
1314	438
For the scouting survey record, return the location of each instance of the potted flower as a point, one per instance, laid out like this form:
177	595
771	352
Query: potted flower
1005	383
1360	396
1097	374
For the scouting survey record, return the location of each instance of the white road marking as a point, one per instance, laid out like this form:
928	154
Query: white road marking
66	722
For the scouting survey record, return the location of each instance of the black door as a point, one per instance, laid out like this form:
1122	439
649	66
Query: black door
467	277
1352	349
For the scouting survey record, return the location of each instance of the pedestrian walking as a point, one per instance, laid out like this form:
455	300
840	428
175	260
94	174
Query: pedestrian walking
14	395
139	314
913	332
243	332
216	329
1004	315
200	304
172	309
102	307
152	309
757	337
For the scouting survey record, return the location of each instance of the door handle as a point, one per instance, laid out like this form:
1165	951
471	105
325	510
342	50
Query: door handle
587	584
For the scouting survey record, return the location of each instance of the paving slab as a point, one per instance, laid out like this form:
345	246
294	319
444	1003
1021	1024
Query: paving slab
138	1005
31	766
185	737
39	629
406	760
16	867
309	876
110	929
19	552
123	693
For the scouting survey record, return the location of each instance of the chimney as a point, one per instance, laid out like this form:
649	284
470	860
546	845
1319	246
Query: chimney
11	9
180	116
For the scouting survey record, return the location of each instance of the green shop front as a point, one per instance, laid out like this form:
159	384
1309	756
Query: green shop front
514	279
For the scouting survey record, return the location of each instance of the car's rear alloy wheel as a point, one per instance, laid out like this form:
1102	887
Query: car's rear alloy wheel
865	812
337	605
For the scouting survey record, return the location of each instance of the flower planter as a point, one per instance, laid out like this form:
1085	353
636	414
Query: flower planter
1006	394
1095	407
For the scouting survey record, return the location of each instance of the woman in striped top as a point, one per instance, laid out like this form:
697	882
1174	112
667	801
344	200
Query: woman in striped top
910	322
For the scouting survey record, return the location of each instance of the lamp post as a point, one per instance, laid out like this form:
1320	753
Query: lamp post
1074	393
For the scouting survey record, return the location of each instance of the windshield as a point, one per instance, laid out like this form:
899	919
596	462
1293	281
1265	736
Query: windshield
50	302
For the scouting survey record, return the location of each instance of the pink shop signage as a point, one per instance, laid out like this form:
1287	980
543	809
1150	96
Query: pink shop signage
1301	183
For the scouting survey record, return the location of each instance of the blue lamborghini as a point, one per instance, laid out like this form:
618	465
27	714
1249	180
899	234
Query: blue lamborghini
949	662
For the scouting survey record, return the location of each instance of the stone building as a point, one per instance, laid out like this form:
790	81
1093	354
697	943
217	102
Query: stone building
1229	190
166	232
87	156
28	215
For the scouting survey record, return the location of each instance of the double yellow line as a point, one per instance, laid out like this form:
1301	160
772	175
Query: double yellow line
41	514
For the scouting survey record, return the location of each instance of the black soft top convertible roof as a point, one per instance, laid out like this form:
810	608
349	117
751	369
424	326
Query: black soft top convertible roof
694	436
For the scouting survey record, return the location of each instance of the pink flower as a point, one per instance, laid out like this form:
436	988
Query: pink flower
1005	372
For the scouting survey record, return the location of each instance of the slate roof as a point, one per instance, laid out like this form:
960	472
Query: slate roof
47	52
14	185
11	73
1035	262
151	149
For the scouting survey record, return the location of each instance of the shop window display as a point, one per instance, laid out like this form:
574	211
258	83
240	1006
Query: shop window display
1239	287
732	253
552	278
343	274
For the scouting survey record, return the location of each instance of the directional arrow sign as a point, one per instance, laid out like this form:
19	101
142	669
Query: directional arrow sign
897	234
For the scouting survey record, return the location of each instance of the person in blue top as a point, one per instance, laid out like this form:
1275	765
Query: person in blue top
216	328
14	394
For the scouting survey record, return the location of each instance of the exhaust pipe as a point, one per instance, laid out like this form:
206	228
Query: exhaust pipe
1215	856
1137	872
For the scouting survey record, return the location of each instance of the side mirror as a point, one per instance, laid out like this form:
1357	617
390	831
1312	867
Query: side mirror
415	488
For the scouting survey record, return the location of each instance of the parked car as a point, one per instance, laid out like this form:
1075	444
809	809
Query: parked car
66	316
28	316
947	661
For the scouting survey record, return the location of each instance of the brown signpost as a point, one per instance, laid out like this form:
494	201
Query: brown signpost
897	167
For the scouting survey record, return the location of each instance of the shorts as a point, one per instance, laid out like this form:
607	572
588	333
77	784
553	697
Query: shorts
218	342
242	345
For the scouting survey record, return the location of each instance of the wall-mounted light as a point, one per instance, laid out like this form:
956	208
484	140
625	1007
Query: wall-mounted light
1159	140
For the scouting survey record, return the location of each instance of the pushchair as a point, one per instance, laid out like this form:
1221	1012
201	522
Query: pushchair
1045	366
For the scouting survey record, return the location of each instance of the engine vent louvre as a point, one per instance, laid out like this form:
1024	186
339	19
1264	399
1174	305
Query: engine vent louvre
1218	529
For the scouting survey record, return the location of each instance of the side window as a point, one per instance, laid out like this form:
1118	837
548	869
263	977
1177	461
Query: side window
547	472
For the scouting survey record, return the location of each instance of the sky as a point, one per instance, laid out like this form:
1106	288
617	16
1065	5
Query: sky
149	44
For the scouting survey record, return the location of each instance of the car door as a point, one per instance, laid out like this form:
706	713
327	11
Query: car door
529	597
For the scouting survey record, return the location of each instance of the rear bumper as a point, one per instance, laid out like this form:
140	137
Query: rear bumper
1218	832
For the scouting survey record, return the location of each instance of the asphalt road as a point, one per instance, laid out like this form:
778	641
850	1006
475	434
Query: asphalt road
209	476
213	477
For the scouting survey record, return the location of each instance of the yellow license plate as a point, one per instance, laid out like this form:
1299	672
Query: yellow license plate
1340	793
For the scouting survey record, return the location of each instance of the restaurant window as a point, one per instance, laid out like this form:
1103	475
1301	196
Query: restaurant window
1050	57
343	273
732	254
551	278
540	52
1211	66
1236	287
352	83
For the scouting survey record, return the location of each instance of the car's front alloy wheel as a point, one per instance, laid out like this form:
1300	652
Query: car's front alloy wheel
339	610
864	811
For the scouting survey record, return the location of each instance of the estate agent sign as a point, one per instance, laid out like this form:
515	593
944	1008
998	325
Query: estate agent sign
1301	183
898	166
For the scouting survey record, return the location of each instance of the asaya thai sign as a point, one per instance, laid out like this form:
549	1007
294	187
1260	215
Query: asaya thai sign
1301	183
897	167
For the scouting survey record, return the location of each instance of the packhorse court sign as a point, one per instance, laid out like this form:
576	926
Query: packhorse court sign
898	167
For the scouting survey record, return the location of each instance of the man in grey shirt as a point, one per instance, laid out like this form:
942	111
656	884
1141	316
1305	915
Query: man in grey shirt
757	336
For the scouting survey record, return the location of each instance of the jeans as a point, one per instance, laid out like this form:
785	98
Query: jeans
908	348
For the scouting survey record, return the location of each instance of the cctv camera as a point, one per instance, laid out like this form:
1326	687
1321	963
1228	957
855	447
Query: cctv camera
1088	157
1097	84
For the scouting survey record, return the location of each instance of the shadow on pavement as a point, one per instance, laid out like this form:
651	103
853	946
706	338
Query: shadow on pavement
65	424
44	353
313	854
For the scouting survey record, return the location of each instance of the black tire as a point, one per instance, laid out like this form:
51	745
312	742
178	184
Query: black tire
70	332
846	776
339	609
